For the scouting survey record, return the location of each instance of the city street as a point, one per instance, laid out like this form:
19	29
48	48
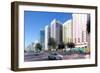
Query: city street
28	57
35	57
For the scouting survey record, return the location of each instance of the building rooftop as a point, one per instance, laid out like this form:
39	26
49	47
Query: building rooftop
55	21
67	22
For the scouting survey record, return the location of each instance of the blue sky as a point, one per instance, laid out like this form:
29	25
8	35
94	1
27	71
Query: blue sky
34	21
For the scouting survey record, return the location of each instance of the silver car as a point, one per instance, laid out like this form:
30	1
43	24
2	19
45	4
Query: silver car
55	56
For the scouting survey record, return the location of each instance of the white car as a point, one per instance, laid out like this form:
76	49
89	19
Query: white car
55	56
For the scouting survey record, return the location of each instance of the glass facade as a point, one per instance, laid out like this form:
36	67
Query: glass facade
42	38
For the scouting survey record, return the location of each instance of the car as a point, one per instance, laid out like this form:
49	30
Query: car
37	53
55	56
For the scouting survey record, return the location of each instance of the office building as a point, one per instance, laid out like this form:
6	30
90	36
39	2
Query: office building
47	36
56	31
67	31
42	38
79	29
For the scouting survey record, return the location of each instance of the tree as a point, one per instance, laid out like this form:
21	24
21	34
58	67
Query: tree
25	51
52	43
70	45
38	47
61	45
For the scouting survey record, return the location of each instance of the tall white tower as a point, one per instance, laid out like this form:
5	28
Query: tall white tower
56	31
47	36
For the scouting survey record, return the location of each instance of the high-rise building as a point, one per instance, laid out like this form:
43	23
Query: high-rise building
47	36
79	29
42	38
56	31
67	31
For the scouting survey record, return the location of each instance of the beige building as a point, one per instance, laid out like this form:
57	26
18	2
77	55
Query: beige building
75	30
79	29
67	31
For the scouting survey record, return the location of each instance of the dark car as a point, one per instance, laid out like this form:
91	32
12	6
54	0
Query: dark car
55	56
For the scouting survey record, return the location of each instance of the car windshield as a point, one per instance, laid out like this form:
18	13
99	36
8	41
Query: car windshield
54	54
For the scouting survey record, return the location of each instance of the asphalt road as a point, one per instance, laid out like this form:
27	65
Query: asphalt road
28	57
